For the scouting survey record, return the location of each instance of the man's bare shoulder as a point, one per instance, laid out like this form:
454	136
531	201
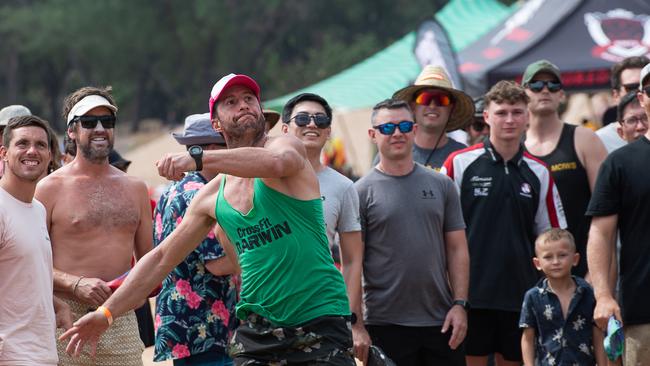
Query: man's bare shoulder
53	182
587	140
284	141
584	134
133	182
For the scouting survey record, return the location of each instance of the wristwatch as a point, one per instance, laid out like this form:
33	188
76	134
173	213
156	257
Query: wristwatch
463	303
196	152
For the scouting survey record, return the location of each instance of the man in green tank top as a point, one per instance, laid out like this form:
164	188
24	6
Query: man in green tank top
266	202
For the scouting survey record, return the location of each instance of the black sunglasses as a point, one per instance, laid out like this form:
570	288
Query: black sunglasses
90	122
389	128
537	86
630	87
303	119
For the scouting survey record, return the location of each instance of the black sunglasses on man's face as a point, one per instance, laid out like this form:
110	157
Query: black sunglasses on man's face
630	87
90	122
538	85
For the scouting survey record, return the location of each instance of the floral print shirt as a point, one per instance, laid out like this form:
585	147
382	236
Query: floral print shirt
195	311
560	341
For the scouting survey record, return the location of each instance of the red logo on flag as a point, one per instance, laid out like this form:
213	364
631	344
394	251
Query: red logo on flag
619	34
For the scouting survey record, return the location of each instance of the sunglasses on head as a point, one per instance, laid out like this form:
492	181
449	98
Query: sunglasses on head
90	122
630	87
389	128
441	99
303	119
538	86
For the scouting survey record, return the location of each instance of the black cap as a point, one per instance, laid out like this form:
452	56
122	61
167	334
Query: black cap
116	160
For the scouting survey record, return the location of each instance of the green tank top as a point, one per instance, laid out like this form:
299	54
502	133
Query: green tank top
288	275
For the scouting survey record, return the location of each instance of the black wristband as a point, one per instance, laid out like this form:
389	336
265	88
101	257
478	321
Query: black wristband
463	303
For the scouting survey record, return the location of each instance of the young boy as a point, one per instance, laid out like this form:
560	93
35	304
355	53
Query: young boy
557	313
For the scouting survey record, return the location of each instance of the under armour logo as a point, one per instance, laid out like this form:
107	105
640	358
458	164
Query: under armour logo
428	194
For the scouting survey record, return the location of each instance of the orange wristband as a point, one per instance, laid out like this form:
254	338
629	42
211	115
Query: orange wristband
107	313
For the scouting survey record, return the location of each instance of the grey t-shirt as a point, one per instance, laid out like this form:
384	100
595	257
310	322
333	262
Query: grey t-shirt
438	157
340	203
403	222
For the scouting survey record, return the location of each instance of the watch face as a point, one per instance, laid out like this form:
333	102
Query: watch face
194	150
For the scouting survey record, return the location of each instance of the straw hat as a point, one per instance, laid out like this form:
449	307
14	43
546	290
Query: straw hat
272	117
436	77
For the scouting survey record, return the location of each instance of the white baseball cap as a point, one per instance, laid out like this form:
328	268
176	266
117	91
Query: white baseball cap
87	103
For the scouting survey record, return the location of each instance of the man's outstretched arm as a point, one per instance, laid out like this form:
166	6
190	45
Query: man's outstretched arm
281	157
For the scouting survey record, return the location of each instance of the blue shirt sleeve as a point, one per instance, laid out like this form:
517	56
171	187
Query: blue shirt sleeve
527	318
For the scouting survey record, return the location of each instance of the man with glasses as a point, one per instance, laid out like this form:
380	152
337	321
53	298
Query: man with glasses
416	263
308	117
508	198
624	80
632	120
572	153
621	200
98	218
478	129
438	108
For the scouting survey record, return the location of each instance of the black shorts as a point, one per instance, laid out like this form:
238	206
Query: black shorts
493	331
326	340
416	345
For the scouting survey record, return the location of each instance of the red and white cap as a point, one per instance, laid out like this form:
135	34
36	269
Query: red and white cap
228	81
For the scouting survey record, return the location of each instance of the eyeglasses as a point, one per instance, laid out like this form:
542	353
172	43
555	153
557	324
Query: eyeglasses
303	119
538	86
442	99
634	120
90	122
630	87
389	128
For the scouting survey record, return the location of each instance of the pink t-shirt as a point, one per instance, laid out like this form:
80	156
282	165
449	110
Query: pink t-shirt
27	323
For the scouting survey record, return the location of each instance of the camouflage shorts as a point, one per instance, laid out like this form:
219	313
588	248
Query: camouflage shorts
326	340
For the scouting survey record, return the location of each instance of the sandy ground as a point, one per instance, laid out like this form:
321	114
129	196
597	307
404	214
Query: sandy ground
147	357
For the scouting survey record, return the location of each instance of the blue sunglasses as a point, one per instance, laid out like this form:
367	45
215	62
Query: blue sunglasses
389	128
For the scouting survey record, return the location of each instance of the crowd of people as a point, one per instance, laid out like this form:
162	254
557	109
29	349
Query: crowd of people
488	230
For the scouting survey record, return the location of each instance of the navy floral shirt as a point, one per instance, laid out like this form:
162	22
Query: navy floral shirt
560	341
195	311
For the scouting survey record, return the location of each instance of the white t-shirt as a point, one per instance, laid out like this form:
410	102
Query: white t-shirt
27	322
610	137
340	204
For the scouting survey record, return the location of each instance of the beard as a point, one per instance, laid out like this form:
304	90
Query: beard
244	133
94	154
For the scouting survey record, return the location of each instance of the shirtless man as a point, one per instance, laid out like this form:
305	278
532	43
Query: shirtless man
293	300
98	217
